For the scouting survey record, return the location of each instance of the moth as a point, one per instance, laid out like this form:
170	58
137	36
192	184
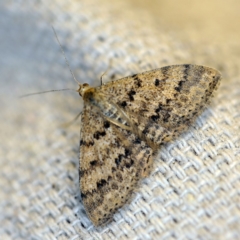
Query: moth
124	123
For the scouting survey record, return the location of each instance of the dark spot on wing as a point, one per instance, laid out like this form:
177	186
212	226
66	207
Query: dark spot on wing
137	141
165	72
159	108
93	163
87	144
145	131
168	101
123	104
155	117
83	195
186	71
106	124
157	81
129	164
127	152
137	81
98	134
131	94
119	159
101	183
81	173
179	87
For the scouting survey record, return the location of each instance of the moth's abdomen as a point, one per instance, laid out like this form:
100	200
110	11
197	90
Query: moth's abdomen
112	112
108	109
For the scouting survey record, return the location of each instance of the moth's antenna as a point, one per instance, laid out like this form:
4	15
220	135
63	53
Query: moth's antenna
36	93
65	56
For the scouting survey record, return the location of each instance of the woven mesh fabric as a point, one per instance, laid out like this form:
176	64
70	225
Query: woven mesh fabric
194	189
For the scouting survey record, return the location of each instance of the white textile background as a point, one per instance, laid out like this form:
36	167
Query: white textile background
194	189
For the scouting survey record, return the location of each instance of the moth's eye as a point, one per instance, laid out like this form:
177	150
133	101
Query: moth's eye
85	84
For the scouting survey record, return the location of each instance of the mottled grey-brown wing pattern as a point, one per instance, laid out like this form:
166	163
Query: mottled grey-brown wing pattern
163	102
112	160
125	121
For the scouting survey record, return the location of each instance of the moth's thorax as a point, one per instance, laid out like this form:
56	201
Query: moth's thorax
83	89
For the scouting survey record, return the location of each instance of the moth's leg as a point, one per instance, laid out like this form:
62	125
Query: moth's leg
109	65
68	124
115	122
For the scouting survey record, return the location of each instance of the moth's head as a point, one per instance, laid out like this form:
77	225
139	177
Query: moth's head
83	88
